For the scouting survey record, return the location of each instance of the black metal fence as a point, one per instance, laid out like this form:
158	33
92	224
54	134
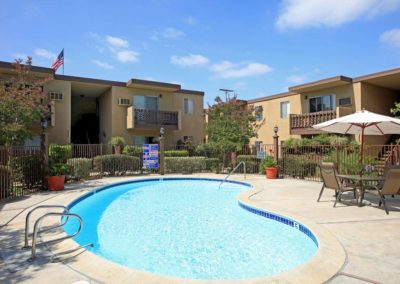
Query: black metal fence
21	167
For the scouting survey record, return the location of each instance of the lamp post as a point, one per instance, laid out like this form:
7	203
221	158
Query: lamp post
44	151
276	144
162	164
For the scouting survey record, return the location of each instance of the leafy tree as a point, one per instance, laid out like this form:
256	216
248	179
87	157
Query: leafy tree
396	110
22	103
231	124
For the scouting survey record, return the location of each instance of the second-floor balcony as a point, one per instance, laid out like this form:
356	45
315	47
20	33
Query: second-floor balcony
301	124
152	119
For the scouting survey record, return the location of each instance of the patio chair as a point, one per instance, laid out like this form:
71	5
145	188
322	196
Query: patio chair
330	180
391	186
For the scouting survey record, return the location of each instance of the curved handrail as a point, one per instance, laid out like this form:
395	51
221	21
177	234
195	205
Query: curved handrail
237	166
66	209
37	226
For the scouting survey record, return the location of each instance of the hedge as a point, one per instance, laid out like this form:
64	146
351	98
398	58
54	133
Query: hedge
252	163
176	153
132	150
211	164
81	167
59	153
184	164
27	170
113	164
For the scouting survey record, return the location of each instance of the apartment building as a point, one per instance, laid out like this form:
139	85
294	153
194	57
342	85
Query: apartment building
88	111
295	111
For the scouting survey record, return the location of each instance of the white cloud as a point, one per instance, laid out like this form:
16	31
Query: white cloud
227	69
192	21
315	13
172	33
391	37
102	64
190	60
127	56
117	42
41	52
296	79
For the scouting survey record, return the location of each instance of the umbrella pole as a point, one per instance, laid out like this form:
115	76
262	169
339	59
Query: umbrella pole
362	151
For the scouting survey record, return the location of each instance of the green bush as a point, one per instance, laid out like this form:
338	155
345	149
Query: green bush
117	141
176	153
5	182
211	164
252	163
113	164
80	167
59	169
298	167
348	160
267	162
185	164
208	150
26	170
59	153
132	150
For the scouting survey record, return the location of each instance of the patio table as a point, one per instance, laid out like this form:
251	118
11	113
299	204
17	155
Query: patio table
360	181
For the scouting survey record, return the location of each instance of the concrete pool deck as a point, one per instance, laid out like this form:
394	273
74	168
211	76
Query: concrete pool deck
365	238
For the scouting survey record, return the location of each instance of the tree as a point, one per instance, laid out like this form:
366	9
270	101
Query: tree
396	110
22	103
231	124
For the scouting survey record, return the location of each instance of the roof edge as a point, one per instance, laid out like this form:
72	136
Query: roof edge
89	80
321	82
272	97
39	69
376	75
152	83
191	92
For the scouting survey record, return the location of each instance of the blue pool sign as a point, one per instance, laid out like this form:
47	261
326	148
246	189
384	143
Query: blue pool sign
150	156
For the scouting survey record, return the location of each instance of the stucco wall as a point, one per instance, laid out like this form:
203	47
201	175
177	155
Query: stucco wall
61	132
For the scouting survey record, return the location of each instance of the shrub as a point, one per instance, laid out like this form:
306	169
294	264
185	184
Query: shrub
59	153
267	162
27	170
132	150
298	167
176	153
5	182
117	141
184	164
59	169
348	160
208	150
116	164
211	164
252	163
80	167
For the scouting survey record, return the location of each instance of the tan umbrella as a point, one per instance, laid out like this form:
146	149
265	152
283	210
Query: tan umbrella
361	123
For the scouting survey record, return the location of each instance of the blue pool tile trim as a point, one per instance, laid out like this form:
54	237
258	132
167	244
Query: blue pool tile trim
98	189
282	219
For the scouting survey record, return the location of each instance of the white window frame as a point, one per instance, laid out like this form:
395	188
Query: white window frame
333	100
144	97
190	108
287	103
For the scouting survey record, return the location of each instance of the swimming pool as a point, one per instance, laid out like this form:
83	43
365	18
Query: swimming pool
189	228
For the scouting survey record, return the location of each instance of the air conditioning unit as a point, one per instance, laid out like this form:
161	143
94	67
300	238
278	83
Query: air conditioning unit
56	96
124	102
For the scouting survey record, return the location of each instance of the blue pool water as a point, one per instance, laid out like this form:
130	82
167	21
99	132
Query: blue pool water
188	228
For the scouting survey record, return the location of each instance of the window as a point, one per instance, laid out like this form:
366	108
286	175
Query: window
188	105
285	109
145	102
140	140
345	101
322	103
56	96
258	110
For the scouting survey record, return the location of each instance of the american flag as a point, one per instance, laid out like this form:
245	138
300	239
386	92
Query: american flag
59	61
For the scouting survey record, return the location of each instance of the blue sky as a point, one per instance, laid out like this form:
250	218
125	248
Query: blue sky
257	48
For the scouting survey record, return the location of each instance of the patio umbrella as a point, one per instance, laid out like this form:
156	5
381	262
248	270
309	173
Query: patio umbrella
361	123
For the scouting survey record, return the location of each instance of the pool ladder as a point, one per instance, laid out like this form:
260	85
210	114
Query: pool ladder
232	171
37	231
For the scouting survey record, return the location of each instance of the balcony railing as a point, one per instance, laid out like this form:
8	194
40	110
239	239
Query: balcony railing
149	119
302	123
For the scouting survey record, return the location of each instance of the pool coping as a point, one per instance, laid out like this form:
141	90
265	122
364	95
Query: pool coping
326	262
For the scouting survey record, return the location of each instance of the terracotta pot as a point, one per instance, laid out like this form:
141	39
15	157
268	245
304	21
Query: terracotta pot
271	172
56	183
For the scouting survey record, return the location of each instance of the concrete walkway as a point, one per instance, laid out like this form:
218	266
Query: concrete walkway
369	237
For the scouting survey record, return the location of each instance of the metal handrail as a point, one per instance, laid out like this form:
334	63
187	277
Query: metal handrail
234	169
66	209
36	228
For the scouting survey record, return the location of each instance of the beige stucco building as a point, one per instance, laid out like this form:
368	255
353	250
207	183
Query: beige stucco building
295	111
89	111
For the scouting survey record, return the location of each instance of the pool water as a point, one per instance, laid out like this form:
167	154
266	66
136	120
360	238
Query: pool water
187	228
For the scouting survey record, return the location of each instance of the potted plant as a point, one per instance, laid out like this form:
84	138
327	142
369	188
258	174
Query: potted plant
269	165
56	178
117	142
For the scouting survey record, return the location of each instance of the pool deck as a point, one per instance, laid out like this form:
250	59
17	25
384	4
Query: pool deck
358	244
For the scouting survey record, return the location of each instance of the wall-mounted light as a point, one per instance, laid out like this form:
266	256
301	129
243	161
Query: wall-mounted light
160	95
305	97
276	129
162	131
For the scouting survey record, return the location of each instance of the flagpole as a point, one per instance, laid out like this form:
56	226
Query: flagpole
63	60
